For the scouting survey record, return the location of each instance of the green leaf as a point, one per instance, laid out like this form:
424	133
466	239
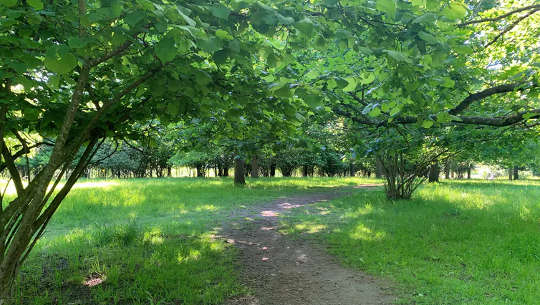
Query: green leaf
388	7
223	35
428	37
529	115
53	82
173	108
210	45
367	79
448	82
305	26
395	111
455	11
36	4
419	3
341	83
427	123
284	91
220	57
220	12
60	60
313	100
76	42
8	3
351	86
165	49
330	3
398	56
186	18
134	18
376	111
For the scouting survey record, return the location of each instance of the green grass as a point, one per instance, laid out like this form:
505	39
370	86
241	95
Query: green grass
464	242
151	240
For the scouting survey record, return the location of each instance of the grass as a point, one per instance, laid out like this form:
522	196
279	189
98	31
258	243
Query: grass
460	242
146	241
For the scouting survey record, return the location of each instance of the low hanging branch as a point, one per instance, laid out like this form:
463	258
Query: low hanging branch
526	8
505	88
356	115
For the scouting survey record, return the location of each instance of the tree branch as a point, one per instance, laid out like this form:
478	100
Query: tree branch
483	94
526	8
14	173
500	121
510	27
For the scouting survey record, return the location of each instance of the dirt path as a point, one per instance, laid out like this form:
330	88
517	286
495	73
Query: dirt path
293	272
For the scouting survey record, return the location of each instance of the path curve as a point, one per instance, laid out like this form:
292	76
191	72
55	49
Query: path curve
281	271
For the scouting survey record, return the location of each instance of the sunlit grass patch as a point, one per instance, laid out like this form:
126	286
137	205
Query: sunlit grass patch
464	242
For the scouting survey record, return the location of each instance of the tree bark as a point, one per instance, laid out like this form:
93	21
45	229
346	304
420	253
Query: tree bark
510	173
516	172
378	168
469	172
434	172
273	169
254	167
305	171
226	171
239	171
200	171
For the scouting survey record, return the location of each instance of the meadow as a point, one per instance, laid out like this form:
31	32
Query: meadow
154	241
146	241
457	242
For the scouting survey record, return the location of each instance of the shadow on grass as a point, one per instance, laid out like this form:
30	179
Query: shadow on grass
126	264
454	243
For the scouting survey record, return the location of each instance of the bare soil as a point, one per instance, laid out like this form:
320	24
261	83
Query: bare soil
281	271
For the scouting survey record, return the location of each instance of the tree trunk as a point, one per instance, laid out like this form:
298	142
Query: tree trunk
516	173
305	171
220	170
273	169
352	172
378	168
169	171
510	173
434	171
254	167
226	171
200	171
469	172
239	171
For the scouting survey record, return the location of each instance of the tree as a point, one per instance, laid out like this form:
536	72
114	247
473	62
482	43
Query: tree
81	73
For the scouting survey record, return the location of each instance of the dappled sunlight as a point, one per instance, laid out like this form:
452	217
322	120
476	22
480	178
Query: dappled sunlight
75	234
192	256
154	236
269	214
206	207
95	184
364	210
364	233
310	227
287	205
